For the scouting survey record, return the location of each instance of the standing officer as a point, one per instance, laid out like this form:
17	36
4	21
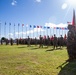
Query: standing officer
71	43
61	41
41	42
55	42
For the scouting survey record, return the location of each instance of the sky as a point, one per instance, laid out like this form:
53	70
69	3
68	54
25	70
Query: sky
52	13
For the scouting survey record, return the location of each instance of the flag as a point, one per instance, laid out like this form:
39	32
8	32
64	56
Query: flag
30	26
66	28
57	27
40	26
62	28
5	23
9	23
22	25
69	23
73	20
44	27
37	26
34	26
48	27
18	24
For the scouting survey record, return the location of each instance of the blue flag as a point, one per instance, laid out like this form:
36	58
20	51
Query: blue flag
48	27
34	26
30	26
44	27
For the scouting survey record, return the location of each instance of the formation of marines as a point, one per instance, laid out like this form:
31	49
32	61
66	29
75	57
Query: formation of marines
42	41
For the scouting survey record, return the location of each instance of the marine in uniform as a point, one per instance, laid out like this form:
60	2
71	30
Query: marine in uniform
71	42
55	42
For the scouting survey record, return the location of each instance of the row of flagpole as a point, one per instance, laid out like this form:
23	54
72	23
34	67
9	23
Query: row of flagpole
32	26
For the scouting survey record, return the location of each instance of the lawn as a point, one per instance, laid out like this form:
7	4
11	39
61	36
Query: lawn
23	60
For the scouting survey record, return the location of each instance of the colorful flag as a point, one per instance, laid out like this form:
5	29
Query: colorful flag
69	23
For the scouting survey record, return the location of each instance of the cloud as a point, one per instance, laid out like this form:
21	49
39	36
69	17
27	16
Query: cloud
55	25
38	1
30	31
14	2
64	6
35	30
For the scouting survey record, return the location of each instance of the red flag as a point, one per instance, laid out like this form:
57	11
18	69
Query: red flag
37	26
73	21
62	28
22	24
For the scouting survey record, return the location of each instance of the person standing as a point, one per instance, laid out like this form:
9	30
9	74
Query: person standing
28	41
61	41
71	43
55	42
41	42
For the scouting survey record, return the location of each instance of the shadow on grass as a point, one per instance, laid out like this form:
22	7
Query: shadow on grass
50	50
67	68
34	48
22	47
39	48
54	49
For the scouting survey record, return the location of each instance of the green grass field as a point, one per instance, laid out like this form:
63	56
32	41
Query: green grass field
23	60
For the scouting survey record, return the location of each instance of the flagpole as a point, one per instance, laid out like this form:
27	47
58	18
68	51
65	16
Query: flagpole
62	31
37	31
0	30
9	30
53	31
44	31
47	31
30	31
22	31
50	31
14	31
18	30
33	31
5	30
40	30
59	31
26	31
